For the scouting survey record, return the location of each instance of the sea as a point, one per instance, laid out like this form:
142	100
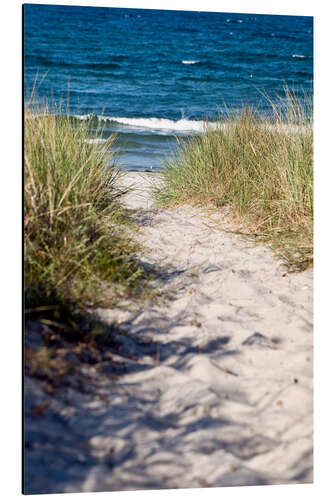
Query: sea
153	77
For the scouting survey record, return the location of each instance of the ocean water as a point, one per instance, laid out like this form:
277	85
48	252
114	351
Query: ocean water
152	75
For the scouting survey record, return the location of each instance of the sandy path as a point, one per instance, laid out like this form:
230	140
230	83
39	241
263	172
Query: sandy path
219	391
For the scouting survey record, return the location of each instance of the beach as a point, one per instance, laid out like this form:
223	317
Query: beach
216	380
163	348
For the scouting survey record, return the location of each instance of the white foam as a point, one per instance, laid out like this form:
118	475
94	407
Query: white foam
191	62
299	56
97	140
183	125
83	117
153	123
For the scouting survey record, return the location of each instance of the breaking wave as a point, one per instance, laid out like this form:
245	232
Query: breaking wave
153	123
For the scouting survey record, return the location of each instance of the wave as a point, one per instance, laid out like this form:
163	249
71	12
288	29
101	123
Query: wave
97	140
239	21
191	62
300	56
182	125
153	123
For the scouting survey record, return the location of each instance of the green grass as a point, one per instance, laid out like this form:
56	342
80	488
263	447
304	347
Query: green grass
77	249
262	168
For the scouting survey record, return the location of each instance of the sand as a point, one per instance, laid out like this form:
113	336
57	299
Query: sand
219	387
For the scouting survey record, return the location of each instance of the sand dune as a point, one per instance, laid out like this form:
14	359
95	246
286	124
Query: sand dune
218	390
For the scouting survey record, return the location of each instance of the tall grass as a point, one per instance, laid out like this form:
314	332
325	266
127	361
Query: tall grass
262	167
77	250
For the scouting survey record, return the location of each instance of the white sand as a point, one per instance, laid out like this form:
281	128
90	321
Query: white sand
220	390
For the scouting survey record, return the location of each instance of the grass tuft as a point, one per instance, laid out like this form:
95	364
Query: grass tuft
77	248
262	167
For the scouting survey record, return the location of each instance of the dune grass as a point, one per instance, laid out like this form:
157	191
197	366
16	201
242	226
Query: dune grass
262	167
77	249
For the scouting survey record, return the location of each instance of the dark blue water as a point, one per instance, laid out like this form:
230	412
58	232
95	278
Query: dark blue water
156	74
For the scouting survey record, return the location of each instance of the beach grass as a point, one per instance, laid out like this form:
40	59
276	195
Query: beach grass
77	248
260	166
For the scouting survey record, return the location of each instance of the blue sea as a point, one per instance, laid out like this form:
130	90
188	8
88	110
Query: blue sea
154	75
